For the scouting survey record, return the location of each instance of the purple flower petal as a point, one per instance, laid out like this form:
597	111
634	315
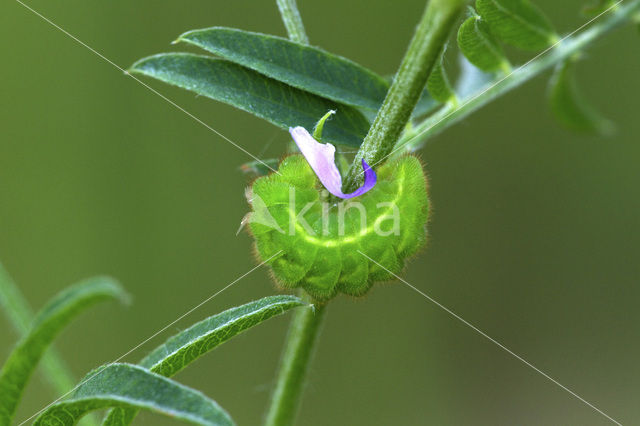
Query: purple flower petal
321	158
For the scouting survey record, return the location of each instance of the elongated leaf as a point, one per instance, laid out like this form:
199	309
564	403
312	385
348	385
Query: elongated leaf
46	326
276	102
518	22
480	47
305	67
189	345
438	84
124	385
569	106
19	314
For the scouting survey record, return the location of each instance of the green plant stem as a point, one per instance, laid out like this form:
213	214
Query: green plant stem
449	115
305	325
299	348
20	316
432	33
292	21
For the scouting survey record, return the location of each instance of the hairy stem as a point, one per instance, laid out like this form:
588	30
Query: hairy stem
562	51
428	41
292	21
303	334
20	315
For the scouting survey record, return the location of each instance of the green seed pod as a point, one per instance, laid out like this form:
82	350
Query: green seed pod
320	244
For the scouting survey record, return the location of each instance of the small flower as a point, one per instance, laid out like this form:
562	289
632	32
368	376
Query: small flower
321	158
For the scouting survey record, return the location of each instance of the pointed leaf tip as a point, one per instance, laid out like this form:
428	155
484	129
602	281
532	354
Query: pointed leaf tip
186	347
438	83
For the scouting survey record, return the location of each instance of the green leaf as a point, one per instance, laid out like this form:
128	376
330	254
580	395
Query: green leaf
305	67
438	84
518	23
480	47
192	343
276	102
46	326
124	385
189	345
569	106
20	315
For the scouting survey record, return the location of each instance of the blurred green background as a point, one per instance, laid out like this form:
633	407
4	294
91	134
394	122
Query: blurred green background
534	235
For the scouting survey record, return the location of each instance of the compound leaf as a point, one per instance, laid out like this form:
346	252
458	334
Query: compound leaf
518	23
202	337
480	47
281	104
124	385
48	323
570	108
305	67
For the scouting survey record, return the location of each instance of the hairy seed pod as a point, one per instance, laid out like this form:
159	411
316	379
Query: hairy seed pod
319	243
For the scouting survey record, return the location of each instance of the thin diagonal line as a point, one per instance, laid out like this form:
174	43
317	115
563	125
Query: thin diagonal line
500	345
153	335
151	89
473	98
